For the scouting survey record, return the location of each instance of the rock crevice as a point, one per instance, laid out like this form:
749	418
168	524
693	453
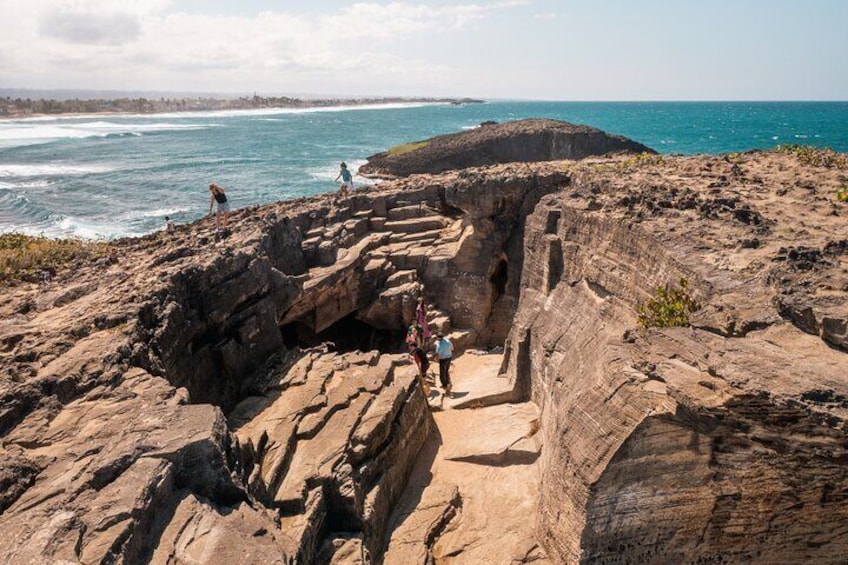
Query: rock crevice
179	406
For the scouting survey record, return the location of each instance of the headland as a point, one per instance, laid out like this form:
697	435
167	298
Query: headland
193	398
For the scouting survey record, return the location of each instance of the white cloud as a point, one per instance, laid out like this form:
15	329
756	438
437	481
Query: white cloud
94	29
83	43
381	21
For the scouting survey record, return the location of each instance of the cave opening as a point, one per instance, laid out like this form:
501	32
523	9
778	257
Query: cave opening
346	335
499	278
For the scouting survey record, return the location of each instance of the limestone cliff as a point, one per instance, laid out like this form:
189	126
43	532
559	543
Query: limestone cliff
244	399
187	386
720	442
517	141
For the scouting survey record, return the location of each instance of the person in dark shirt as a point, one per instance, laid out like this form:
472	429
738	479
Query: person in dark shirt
216	194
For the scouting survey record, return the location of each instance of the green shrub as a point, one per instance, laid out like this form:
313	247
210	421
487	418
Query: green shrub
669	307
814	156
407	147
27	258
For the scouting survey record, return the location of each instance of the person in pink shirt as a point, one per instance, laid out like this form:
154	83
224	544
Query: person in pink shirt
421	321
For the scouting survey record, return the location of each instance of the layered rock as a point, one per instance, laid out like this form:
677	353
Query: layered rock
723	442
531	140
243	399
330	445
157	404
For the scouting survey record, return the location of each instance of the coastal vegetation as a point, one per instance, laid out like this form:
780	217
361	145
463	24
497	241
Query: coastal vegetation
643	159
25	258
18	107
815	156
670	307
638	161
407	147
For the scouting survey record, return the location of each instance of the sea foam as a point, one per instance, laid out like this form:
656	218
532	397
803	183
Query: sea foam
19	134
49	170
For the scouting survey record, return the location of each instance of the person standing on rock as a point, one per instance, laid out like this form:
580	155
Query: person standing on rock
421	322
216	194
444	353
347	180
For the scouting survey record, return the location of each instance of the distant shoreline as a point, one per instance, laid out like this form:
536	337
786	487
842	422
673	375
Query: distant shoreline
16	109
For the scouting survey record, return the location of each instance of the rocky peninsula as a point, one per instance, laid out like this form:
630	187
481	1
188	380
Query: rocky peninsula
520	141
192	399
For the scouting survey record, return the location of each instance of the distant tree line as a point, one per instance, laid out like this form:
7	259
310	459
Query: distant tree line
18	107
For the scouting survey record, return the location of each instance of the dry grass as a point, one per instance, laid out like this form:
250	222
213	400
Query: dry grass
631	163
407	147
25	258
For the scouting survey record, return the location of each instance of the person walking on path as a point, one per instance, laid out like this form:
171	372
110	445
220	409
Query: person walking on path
423	364
444	352
347	180
421	322
216	194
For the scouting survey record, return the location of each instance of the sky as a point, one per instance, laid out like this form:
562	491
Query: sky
503	49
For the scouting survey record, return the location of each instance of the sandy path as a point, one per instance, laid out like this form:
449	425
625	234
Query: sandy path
473	493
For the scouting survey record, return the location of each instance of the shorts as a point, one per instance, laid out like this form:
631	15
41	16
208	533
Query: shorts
223	207
348	185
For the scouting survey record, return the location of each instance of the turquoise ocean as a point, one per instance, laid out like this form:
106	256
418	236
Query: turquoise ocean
111	176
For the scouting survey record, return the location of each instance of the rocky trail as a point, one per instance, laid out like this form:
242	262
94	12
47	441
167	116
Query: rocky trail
474	488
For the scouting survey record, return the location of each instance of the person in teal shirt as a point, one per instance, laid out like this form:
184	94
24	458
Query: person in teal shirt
444	353
347	180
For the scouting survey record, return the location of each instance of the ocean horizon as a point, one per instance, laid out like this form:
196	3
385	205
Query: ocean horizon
115	175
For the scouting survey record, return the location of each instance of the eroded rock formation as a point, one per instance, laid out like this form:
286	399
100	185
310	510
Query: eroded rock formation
156	406
519	141
723	442
244	399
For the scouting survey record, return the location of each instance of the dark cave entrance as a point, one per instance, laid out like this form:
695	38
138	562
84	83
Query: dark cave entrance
499	278
346	335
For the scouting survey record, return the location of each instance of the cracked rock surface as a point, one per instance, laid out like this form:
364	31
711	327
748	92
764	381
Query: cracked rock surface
242	399
720	442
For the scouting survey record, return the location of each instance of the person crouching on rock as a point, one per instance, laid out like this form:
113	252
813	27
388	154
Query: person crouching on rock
347	180
423	364
412	336
217	195
444	352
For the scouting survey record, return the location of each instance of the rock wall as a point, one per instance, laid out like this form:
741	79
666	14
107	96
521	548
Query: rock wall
181	402
156	398
718	443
